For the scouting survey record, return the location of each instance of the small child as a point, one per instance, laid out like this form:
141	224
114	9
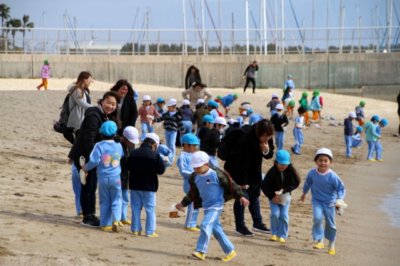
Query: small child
147	114
45	75
277	185
280	121
371	136
304	104
201	110
189	142
326	189
210	189
289	83
272	103
159	105
360	113
378	144
144	165
316	107
187	116
348	133
290	108
130	138
226	101
298	131
166	155
210	140
243	119
208	123
356	140
172	123
254	118
105	157
213	108
288	96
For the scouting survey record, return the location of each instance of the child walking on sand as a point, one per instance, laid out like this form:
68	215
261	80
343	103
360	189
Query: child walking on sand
371	136
356	140
327	189
280	121
147	114
360	113
378	144
277	185
210	189
348	133
316	107
190	143
105	157
298	131
45	75
304	104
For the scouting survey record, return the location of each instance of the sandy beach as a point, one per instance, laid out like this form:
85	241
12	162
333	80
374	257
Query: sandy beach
38	225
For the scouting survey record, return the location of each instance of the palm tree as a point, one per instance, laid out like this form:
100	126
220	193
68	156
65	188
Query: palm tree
26	25
13	23
4	14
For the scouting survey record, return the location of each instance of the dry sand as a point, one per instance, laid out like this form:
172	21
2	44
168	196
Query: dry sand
37	217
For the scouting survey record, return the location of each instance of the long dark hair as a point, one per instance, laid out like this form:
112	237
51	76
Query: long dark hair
263	127
120	83
78	85
196	73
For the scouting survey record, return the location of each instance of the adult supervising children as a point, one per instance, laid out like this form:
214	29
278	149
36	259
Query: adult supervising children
250	75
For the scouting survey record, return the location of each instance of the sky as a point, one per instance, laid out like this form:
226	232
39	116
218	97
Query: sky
167	14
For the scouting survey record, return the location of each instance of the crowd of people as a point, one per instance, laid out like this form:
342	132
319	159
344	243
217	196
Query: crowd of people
220	159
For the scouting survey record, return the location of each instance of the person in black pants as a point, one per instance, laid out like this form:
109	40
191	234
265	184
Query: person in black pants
245	168
88	136
250	75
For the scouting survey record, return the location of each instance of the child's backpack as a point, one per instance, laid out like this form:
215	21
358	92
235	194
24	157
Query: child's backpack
227	147
61	125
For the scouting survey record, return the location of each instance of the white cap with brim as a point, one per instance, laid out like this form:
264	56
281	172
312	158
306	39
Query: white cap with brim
274	95
220	120
131	134
352	115
154	137
199	159
201	100
186	102
171	102
279	106
324	151
146	98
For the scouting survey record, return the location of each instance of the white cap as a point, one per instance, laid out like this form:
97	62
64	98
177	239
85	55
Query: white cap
171	102
274	95
244	112
324	151
220	120
231	121
199	159
352	115
131	134
279	106
185	102
200	100
154	137
246	106
146	98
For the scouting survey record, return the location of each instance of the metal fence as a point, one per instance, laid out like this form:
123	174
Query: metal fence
85	41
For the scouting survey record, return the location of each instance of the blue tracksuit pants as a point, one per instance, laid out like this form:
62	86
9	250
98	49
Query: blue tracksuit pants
110	199
147	200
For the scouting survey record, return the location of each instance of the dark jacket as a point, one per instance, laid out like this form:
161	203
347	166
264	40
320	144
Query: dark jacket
348	127
172	123
124	167
187	113
198	115
88	134
129	113
274	180
209	141
245	166
398	103
231	189
144	165
279	121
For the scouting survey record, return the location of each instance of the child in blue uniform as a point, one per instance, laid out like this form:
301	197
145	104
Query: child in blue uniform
348	133
326	189
378	144
189	142
371	136
298	131
226	101
105	157
210	190
277	185
356	140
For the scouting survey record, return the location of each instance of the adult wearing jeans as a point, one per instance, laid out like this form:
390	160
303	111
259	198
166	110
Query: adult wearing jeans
245	168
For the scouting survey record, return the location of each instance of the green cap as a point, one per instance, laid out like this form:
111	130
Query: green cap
46	62
305	94
362	103
235	96
292	103
315	93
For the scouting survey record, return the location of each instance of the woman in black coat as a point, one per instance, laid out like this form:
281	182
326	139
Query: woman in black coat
88	136
192	75
127	109
245	168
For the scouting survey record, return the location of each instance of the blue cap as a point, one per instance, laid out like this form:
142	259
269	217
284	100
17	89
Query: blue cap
384	122
160	100
213	103
190	138
375	118
283	157
108	128
208	119
359	129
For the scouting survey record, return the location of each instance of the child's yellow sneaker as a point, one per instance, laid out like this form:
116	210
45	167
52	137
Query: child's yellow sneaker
273	238
192	229
106	228
152	235
136	233
319	245
332	251
199	255
115	226
282	240
230	256
125	222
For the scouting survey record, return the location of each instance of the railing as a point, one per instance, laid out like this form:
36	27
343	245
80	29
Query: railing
196	42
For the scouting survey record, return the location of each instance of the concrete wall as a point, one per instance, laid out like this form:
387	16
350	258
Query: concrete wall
324	71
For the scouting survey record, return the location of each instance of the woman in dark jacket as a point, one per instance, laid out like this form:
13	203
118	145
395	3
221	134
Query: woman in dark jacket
245	169
127	109
277	185
192	75
88	136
